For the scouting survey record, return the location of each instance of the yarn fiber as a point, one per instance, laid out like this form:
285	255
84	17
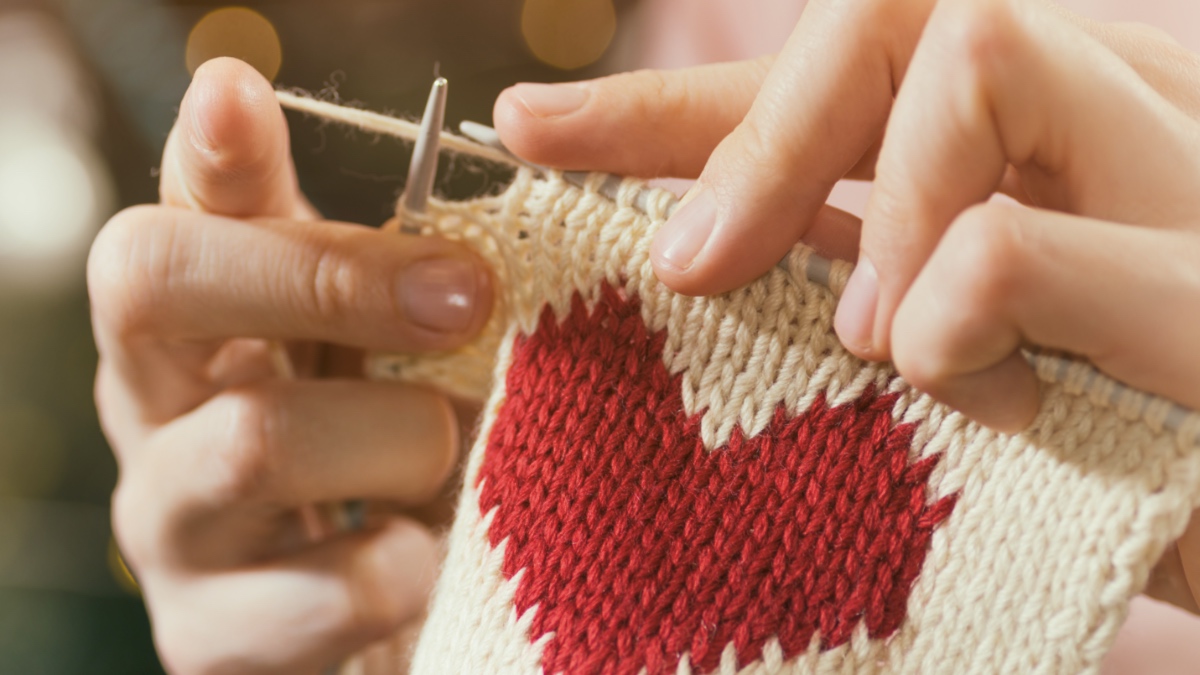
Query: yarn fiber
669	484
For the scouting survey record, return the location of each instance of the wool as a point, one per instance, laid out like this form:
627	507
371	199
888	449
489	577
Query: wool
814	524
669	484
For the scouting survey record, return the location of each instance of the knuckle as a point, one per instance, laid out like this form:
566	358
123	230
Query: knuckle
248	462
109	284
985	246
916	362
973	273
334	286
130	260
134	526
980	33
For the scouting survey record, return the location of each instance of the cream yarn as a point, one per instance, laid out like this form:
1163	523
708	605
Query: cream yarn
1053	532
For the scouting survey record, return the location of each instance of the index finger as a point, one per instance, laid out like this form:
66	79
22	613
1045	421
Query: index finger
170	282
174	275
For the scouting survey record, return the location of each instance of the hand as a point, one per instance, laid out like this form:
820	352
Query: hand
1092	127
218	456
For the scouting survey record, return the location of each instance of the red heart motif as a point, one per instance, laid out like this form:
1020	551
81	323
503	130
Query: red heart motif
640	545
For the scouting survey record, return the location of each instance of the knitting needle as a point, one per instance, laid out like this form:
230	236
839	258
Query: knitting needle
421	172
423	168
485	135
817	269
351	515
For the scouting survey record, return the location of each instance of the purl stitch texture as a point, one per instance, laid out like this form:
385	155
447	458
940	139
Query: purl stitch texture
667	484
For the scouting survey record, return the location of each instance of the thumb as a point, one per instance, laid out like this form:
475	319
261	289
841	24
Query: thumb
229	152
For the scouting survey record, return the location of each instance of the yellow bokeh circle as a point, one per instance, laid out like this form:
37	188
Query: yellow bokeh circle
239	32
568	34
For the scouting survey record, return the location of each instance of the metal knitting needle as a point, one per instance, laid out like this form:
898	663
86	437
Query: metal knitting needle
351	515
421	172
817	270
423	169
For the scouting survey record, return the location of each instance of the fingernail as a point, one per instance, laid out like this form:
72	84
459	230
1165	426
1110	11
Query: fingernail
440	294
684	235
855	319
551	100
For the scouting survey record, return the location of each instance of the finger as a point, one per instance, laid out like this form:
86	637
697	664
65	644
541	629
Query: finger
1006	276
834	234
300	442
648	123
302	614
820	110
994	83
213	483
1189	556
395	654
666	123
1169	582
229	151
120	418
164	280
188	276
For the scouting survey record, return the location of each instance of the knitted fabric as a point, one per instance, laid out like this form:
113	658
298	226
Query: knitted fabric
668	484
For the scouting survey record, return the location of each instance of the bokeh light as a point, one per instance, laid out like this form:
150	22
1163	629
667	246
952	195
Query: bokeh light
239	32
54	193
568	34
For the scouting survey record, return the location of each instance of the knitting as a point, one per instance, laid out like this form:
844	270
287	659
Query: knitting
669	484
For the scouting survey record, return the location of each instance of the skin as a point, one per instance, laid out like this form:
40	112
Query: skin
1089	133
219	457
942	104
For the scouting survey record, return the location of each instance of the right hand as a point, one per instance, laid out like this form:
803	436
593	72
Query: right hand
942	104
218	455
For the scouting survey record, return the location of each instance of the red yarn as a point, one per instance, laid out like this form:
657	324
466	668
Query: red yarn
639	545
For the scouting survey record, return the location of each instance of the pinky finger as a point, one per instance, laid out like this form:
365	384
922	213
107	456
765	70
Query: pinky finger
1005	276
301	615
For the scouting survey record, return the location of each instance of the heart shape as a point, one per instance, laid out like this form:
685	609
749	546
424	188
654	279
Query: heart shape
639	545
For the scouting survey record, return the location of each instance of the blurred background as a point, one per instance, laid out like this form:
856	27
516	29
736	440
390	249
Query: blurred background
89	90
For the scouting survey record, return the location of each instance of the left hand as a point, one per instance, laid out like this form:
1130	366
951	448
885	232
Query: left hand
220	455
1094	128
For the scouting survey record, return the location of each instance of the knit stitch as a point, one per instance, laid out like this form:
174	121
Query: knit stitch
639	545
668	484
